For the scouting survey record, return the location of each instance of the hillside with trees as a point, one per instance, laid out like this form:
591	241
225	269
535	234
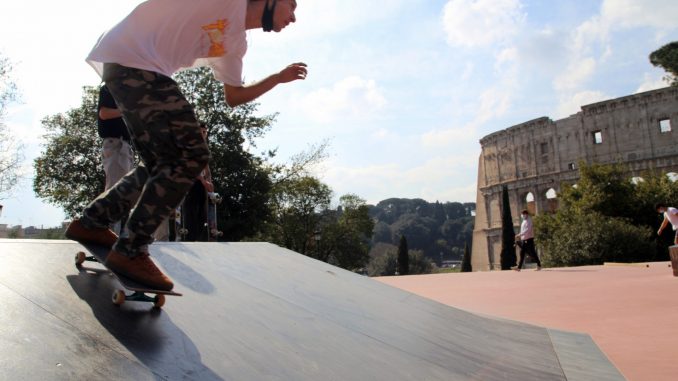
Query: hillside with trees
438	230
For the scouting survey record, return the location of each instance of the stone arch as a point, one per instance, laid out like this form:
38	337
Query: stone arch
529	202
636	179
551	196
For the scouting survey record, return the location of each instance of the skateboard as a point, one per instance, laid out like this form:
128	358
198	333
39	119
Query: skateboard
98	254
213	199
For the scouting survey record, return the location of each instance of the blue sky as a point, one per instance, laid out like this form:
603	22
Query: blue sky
403	89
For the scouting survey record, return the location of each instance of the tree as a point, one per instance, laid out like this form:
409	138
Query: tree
243	179
346	234
385	265
604	218
11	155
466	260
666	57
577	238
508	251
298	205
68	171
403	257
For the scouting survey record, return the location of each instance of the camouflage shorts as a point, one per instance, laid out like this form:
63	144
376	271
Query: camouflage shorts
166	135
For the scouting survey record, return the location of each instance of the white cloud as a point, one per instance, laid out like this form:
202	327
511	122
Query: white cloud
352	96
591	40
449	137
651	82
469	68
572	104
449	178
576	74
660	14
475	23
494	103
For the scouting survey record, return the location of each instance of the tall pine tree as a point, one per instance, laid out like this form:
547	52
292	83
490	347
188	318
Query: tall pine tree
466	260
403	257
508	250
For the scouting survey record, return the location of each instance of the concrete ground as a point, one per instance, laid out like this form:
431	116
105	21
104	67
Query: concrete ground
630	311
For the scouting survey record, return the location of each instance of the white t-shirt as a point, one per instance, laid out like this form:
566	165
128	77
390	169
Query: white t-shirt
526	230
165	36
672	215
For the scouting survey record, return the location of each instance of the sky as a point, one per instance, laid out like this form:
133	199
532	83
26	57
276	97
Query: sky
403	90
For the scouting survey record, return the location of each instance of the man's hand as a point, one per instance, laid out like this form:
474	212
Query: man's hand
237	95
293	72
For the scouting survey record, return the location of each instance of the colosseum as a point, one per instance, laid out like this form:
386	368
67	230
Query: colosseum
534	158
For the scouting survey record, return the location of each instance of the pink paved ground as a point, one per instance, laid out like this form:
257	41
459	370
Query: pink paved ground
630	312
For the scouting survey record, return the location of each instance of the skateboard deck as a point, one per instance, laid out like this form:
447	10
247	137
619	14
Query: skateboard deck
99	254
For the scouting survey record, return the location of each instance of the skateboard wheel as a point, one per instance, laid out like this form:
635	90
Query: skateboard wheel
80	258
159	301
119	297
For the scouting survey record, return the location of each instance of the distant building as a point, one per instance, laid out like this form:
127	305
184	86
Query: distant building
534	158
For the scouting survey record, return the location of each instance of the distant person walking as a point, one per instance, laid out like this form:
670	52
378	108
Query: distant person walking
526	241
670	215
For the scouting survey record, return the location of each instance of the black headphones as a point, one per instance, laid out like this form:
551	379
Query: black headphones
267	16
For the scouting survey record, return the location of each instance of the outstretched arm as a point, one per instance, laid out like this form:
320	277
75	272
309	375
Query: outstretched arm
663	225
237	95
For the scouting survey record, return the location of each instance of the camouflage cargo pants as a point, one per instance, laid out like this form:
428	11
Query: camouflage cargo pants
166	135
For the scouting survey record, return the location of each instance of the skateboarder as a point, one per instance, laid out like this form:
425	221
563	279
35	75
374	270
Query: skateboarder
136	59
525	240
670	215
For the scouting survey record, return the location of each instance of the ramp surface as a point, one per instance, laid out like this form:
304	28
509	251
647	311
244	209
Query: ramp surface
254	311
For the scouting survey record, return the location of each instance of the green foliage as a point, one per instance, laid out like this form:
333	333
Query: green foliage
666	57
589	238
606	218
69	173
385	263
14	233
240	177
602	188
433	228
8	89
303	221
466	260
53	234
11	150
508	251
403	257
297	208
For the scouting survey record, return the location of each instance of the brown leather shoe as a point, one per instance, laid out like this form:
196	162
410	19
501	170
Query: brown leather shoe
98	236
140	268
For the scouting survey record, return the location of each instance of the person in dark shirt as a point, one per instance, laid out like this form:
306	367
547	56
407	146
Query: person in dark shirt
117	156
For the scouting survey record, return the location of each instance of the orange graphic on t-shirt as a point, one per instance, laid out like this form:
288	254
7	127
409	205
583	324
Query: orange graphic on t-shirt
215	32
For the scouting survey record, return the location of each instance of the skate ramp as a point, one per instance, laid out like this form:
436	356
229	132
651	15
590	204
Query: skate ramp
255	311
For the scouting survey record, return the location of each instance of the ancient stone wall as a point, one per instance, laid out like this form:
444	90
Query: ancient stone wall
535	158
